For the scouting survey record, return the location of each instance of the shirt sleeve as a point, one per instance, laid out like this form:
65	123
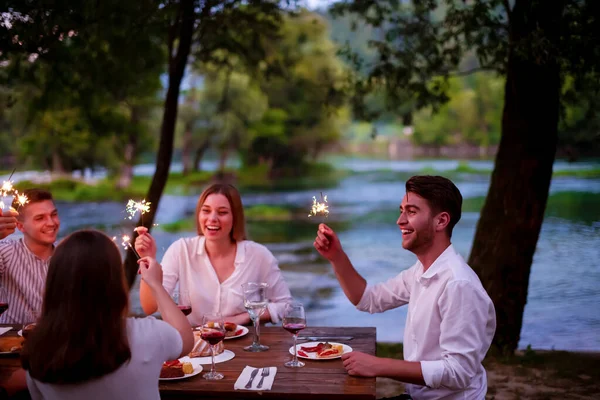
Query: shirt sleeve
34	392
169	338
466	331
280	293
170	265
395	292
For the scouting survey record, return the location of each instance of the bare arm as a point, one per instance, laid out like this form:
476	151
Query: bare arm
147	299
329	246
152	273
8	223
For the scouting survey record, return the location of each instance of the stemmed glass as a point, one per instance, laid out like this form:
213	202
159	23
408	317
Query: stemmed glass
213	331
255	301
31	318
182	299
294	320
3	300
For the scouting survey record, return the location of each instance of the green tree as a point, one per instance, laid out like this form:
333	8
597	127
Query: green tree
307	99
536	45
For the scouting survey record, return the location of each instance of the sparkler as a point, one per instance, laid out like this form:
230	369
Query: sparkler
7	189
127	243
319	208
134	206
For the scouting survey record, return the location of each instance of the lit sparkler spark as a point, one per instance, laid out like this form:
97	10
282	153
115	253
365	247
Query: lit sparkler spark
6	188
319	208
133	207
127	243
21	199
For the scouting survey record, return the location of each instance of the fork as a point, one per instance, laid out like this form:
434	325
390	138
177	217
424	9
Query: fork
265	372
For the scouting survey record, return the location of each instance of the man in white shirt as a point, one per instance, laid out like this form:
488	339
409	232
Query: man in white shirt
451	319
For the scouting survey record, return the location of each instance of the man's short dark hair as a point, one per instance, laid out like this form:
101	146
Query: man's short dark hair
441	194
33	196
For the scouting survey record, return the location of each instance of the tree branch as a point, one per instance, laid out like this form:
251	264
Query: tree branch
470	71
508	11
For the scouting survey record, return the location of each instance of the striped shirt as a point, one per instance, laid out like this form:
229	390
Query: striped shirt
23	275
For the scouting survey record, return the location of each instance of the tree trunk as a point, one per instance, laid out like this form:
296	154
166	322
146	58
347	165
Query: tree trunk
511	218
185	150
126	173
223	158
177	64
200	153
58	167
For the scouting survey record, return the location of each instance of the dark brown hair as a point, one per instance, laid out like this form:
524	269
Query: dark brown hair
238	231
441	194
81	334
33	196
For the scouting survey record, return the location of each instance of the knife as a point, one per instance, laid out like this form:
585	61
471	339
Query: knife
252	375
325	337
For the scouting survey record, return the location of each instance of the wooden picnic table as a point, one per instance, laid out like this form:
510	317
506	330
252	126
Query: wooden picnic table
317	379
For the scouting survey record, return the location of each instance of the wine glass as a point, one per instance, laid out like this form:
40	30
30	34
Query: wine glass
213	331
31	318
255	301
294	320
3	300
182	299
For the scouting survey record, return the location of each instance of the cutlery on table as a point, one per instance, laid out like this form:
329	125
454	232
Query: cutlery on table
265	372
313	338
252	376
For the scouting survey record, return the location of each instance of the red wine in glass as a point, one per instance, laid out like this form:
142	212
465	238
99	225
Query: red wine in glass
213	337
294	325
3	307
186	310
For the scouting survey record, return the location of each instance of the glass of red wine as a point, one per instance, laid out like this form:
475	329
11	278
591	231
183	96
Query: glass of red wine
213	331
294	320
3	300
182	299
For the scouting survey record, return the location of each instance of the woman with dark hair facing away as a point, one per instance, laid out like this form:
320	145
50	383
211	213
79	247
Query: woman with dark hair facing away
84	346
212	266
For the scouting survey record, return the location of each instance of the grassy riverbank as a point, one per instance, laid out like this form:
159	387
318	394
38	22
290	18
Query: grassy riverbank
530	374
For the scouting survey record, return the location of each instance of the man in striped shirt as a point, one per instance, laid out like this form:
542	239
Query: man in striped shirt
24	262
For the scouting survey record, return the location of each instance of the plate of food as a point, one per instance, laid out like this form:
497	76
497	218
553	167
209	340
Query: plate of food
233	330
11	344
202	351
182	368
321	350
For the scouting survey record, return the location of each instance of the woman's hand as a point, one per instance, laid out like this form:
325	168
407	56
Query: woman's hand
151	272
145	244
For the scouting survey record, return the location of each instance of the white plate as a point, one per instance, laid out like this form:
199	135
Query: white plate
313	356
244	332
20	333
197	369
224	356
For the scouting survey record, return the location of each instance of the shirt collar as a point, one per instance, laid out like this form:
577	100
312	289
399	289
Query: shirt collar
437	265
240	254
22	241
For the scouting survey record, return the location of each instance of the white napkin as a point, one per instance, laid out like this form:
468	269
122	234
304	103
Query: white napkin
4	330
245	377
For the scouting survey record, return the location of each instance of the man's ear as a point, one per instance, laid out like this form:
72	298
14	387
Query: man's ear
441	221
20	224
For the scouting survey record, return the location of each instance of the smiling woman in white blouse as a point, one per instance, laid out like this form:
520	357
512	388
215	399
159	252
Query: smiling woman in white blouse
212	266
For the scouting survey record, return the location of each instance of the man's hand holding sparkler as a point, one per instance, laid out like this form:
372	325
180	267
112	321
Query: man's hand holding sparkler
328	244
145	244
8	222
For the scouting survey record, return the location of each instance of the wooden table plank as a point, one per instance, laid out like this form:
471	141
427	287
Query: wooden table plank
317	379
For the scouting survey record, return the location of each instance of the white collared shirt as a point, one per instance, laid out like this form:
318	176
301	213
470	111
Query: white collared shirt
187	262
449	327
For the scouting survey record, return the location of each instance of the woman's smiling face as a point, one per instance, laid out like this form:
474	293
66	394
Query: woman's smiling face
216	218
